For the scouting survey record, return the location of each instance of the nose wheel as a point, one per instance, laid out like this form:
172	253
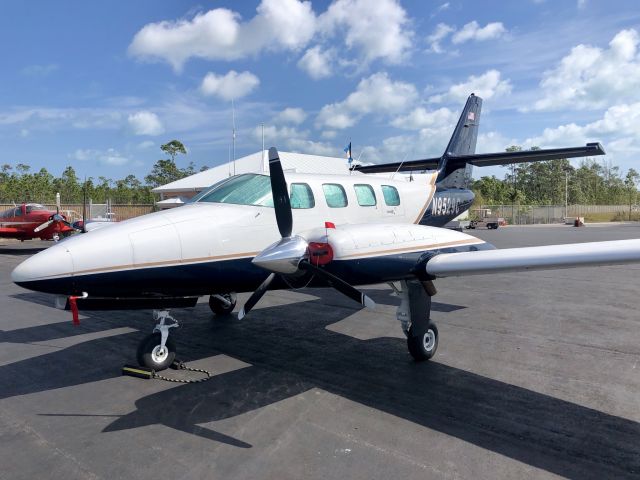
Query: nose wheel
157	351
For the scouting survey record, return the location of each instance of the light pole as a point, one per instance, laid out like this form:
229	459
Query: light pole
566	192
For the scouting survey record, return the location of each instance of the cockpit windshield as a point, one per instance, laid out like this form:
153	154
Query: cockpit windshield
35	207
246	189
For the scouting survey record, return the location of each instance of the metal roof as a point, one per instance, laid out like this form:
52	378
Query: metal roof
291	162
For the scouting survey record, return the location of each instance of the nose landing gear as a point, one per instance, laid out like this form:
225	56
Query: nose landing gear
157	351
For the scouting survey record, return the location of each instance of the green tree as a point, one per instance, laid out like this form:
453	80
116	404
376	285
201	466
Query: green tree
173	148
166	171
630	182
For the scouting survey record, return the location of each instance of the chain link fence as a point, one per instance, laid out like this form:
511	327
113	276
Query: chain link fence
545	214
73	211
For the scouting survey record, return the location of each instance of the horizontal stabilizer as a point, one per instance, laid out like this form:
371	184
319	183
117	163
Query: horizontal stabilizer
534	258
487	159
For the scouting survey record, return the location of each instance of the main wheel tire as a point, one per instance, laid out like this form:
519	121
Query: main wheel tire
423	347
218	307
151	355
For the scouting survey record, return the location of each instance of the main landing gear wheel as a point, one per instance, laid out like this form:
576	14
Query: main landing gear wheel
423	347
153	355
222	303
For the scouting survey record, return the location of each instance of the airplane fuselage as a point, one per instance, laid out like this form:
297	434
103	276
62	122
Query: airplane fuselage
207	246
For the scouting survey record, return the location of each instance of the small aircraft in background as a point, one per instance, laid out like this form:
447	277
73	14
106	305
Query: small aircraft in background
32	220
254	232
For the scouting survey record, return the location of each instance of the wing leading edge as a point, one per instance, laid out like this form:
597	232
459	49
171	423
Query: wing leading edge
534	258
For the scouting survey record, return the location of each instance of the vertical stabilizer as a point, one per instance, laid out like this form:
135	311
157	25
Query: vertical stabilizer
462	142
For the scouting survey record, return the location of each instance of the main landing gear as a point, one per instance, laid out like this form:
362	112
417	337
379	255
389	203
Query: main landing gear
157	351
414	315
222	303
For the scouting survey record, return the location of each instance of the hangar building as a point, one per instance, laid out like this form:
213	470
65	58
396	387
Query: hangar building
178	192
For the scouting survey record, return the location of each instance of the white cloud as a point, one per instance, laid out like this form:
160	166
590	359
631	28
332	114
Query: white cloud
420	118
145	123
328	134
582	4
440	33
592	78
488	85
491	142
375	94
294	140
317	63
291	115
233	85
473	31
110	157
219	34
145	145
619	121
315	148
113	158
379	31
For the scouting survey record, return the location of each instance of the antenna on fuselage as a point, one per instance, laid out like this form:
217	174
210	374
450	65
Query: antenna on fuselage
400	166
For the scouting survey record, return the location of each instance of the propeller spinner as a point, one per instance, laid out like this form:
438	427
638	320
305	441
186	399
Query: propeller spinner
289	255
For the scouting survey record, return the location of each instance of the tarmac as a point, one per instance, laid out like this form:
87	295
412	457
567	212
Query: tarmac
537	375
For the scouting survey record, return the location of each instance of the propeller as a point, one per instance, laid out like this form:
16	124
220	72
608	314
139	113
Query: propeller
289	255
54	218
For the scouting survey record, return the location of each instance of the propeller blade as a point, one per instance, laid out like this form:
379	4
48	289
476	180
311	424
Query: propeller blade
58	202
340	285
280	193
255	296
43	226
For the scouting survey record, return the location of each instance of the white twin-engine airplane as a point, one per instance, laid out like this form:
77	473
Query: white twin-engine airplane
256	233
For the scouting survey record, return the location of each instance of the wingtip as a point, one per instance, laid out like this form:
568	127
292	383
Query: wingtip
241	314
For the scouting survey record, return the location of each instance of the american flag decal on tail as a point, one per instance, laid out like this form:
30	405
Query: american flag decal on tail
471	116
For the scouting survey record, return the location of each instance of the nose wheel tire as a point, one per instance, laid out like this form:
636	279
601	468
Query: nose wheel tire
220	307
423	347
153	355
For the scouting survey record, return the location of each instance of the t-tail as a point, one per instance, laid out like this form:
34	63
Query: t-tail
455	165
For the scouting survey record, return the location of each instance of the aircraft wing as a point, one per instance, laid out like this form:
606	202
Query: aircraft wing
486	159
534	258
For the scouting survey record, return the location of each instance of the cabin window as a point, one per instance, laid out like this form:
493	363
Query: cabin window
366	195
391	196
17	212
302	196
335	195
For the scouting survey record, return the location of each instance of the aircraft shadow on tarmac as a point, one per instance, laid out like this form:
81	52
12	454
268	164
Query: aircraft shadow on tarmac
291	351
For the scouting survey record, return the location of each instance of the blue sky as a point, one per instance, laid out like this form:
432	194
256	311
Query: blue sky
101	86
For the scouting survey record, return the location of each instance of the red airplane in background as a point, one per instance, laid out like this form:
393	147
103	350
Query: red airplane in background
32	220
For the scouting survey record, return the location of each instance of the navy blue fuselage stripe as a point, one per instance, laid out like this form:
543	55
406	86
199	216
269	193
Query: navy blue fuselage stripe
237	275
